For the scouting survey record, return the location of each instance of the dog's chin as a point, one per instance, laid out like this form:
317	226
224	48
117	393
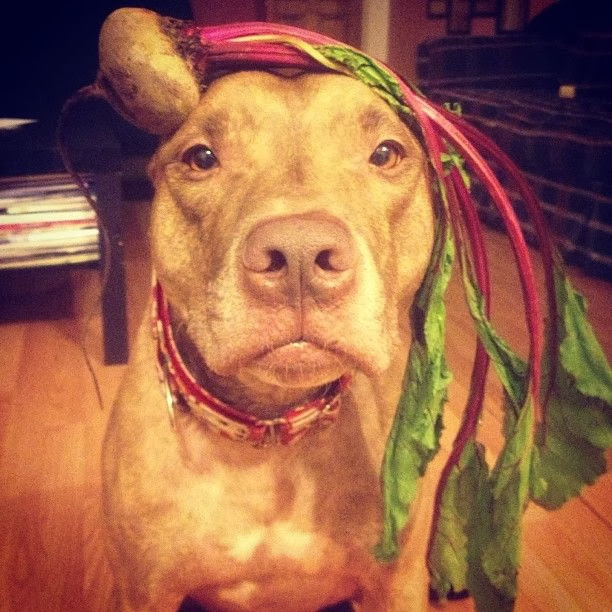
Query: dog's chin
297	365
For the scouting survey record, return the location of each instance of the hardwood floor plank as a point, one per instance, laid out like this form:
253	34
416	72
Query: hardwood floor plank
10	335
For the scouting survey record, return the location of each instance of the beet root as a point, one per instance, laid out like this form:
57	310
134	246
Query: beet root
142	74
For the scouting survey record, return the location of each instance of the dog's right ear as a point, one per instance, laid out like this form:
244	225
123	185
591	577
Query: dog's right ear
142	74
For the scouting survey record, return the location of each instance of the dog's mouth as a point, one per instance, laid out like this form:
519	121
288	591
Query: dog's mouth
269	423
298	364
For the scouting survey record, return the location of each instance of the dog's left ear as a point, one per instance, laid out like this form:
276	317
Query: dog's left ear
142	74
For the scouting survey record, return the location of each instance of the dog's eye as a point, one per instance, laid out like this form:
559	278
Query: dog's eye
387	154
200	157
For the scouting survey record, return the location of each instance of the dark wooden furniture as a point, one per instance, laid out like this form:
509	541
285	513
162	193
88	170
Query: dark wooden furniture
94	149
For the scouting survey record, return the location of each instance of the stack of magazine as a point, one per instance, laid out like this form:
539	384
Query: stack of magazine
45	220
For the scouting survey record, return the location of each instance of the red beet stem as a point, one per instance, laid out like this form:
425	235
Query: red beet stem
456	204
548	253
460	201
517	241
213	34
267	55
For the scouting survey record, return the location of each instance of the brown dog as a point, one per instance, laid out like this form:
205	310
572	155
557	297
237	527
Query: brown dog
289	236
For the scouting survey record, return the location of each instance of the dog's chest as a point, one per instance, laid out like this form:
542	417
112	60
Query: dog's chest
244	527
271	541
297	523
277	561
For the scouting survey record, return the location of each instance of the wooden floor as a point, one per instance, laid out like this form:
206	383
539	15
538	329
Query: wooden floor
51	428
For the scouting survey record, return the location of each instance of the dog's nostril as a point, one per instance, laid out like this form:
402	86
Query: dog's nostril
324	261
277	261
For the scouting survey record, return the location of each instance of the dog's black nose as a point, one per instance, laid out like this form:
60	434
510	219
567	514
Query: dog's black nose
292	257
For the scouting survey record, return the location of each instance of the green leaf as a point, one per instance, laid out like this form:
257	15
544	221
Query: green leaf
571	443
510	369
415	433
448	556
494	526
563	465
363	67
374	75
569	446
484	549
494	534
453	159
414	437
581	355
453	107
569	452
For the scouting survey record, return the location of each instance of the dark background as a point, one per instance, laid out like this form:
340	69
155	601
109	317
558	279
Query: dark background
48	50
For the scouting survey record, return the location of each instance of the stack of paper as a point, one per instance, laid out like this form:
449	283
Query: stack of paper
46	220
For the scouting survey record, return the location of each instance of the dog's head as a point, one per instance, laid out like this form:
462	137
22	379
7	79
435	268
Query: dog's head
292	224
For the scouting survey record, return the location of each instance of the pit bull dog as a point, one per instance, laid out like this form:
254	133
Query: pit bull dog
241	465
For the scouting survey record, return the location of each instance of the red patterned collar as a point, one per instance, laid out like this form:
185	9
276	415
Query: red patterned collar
184	392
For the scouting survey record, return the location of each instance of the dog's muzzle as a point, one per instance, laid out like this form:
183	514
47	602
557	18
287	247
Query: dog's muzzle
183	392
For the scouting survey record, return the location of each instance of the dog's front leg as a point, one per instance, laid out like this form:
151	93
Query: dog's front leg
405	588
169	602
404	584
129	596
371	601
409	588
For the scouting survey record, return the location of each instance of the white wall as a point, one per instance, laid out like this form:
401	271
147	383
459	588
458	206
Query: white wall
375	28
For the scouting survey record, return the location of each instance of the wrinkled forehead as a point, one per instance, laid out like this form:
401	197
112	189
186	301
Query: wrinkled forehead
329	100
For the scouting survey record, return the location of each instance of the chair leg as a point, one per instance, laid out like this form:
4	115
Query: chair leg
114	314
